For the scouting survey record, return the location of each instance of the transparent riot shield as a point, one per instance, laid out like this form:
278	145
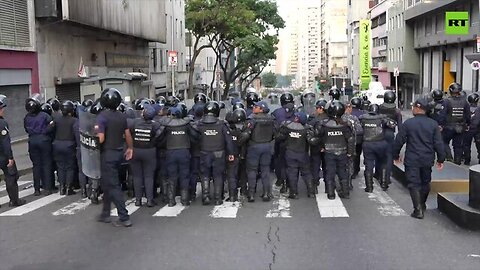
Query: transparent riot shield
89	145
309	100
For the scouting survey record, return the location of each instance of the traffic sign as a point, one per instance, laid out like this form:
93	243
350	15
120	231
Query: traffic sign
396	72
172	58
475	65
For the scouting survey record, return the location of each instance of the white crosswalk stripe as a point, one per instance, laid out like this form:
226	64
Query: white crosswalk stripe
130	205
20	183
226	210
329	208
73	208
174	211
385	204
29	207
23	193
281	205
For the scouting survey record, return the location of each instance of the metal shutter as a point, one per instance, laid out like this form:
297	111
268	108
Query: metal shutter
14	23
68	92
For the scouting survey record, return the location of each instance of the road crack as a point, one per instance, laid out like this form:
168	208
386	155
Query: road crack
272	242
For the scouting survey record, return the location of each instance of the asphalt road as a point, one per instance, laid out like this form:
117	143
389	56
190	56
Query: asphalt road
366	232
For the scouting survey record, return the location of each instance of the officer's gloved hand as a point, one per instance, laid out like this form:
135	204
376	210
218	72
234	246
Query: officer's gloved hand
391	124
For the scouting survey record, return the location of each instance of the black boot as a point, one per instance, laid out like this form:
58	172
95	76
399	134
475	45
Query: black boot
70	190
164	191
383	180
218	192
17	202
284	188
63	189
171	195
193	194
345	193
94	196
184	197
251	194
138	202
279	182
267	193
368	182
310	189
293	194
457	160
417	204
84	192
233	195
424	197
206	191
330	190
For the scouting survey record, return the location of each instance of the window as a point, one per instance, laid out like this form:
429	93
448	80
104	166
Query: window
14	23
428	26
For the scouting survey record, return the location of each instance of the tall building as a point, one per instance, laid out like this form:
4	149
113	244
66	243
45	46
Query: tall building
378	17
357	10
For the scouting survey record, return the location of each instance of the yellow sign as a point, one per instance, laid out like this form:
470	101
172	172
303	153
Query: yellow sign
364	54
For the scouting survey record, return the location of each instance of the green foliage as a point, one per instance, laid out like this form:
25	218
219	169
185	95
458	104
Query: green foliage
284	81
269	80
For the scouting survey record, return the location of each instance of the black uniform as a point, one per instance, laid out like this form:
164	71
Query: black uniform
317	158
237	170
64	147
458	118
394	114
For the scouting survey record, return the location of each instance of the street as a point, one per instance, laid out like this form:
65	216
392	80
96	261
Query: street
369	231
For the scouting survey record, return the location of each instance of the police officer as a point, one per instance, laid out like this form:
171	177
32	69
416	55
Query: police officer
199	100
261	127
357	111
82	178
297	135
338	144
282	114
215	146
357	130
472	130
161	178
177	136
317	158
458	119
55	106
47	108
38	126
251	99
145	133
389	108
113	133
236	170
334	93
195	153
366	103
64	147
94	186
374	145
7	162
423	139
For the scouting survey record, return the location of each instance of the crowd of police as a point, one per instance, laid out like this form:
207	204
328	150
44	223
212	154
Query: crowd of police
159	149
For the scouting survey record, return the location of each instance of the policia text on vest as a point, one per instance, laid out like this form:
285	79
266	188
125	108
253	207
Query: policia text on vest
456	23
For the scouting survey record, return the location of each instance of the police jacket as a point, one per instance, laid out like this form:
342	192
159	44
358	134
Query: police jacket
473	110
214	135
438	112
38	124
64	128
314	122
145	133
475	123
5	143
458	111
357	112
355	125
239	137
177	133
423	139
285	113
261	127
390	110
374	126
336	137
296	136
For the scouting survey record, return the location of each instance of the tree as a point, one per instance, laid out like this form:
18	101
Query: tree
269	80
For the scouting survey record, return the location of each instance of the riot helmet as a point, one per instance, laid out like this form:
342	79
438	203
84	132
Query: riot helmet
171	101
87	103
175	112
200	97
473	98
122	107
97	107
335	109
151	101
67	108
455	88
334	93
141	103
148	112
356	102
463	93
212	108
180	96
238	116
54	103
389	97
307	95
374	108
286	98
321	103
251	98
46	108
183	109
160	100
110	98
3	101
437	94
238	105
32	105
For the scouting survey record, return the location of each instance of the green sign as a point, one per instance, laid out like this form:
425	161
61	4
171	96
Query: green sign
364	53
456	23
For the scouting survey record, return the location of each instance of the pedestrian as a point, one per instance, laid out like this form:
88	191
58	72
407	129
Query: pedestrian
7	161
216	146
471	130
145	133
113	133
458	119
261	127
422	138
337	142
39	127
64	147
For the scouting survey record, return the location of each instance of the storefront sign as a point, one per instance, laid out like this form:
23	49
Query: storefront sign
365	72
126	60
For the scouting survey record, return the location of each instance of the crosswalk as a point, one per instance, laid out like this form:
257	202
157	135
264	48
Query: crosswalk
279	207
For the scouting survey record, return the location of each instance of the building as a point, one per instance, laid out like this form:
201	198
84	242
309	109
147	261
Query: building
18	60
204	76
378	17
444	58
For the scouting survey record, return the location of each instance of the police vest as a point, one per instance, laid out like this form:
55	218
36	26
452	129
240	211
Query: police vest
143	134
297	137
389	111
335	141
372	127
64	128
177	136
211	139
455	115
263	129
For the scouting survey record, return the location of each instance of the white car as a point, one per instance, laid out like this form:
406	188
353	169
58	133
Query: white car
375	96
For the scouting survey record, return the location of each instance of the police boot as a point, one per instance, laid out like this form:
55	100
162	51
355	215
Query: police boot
330	190
193	194
17	202
310	189
171	195
218	192
279	182
345	192
251	194
164	191
63	189
70	190
94	196
184	197
383	180
284	188
424	197
84	192
267	193
233	195
293	194
417	204
206	191
368	182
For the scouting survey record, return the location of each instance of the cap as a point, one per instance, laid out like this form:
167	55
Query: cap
302	117
262	104
422	103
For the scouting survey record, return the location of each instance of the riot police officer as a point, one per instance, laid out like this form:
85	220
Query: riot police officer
389	108
374	145
55	103
317	158
161	178
338	144
64	147
458	119
437	109
195	153
145	133
472	130
47	108
199	100
251	99
334	93
7	162
236	170
366	103
261	127
357	111
215	146
38	126
357	130
297	136
113	133
423	139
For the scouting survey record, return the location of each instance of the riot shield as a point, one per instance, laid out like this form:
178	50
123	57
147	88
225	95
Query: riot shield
273	102
309	103
89	145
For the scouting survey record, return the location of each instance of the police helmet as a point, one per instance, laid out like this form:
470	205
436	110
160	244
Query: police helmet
389	97
67	107
151	101
334	93
3	101
335	109
356	102
46	108
463	93
160	100
54	103
200	97
181	96
251	98
437	94
110	98
96	107
122	107
374	108
175	112
141	103
183	108
32	105
222	104
286	98
455	88
473	98
212	108
87	103
148	112
171	101
238	105
321	103
307	95
365	98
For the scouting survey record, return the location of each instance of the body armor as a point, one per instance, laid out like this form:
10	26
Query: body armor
335	141
177	134
455	115
211	136
143	134
263	129
372	127
297	137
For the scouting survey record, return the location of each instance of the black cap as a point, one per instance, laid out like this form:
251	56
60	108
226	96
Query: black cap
422	103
